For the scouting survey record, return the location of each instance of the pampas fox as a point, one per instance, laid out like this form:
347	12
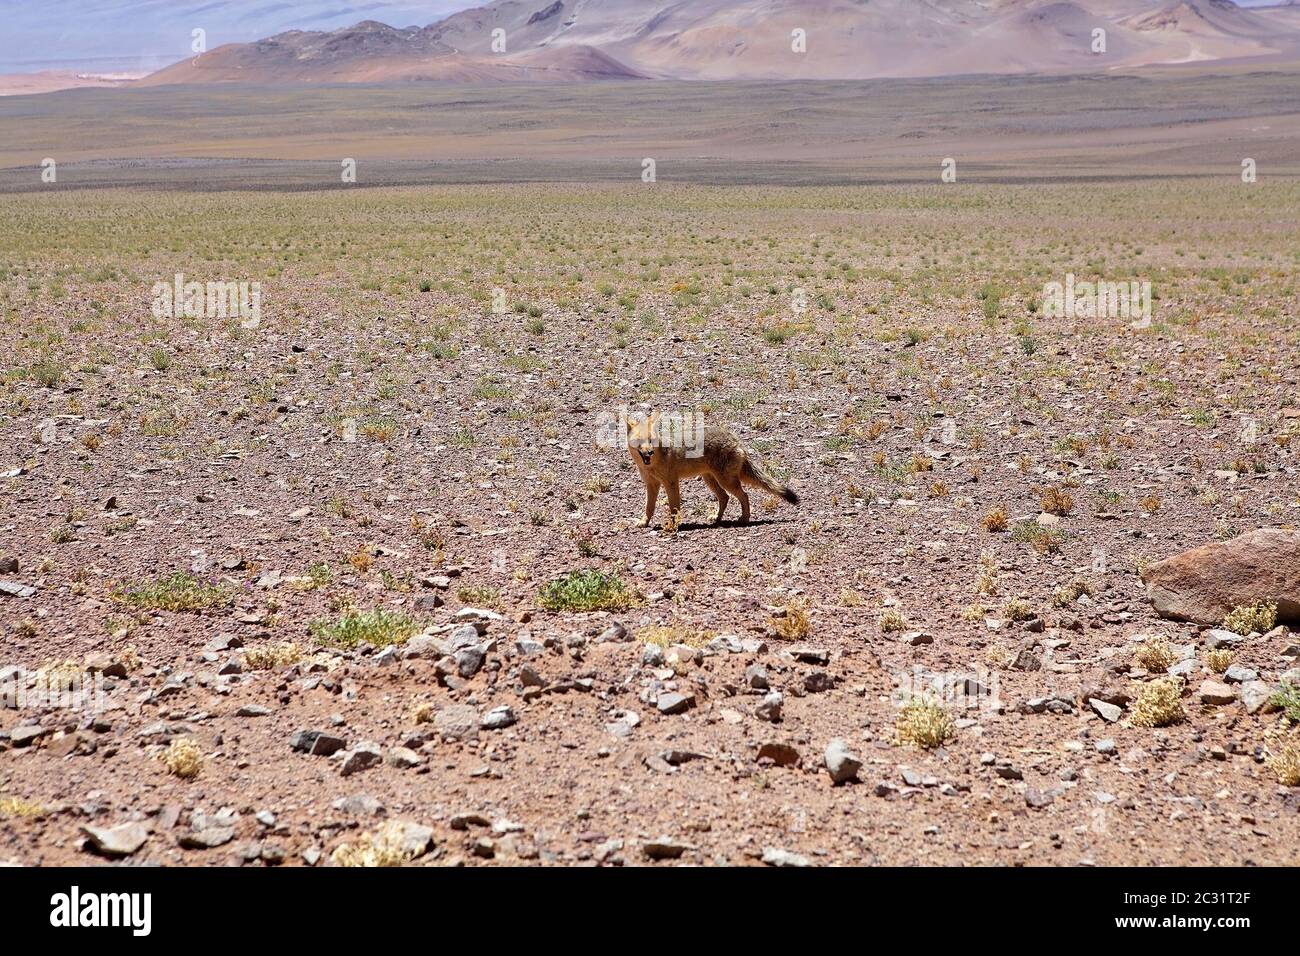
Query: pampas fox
706	451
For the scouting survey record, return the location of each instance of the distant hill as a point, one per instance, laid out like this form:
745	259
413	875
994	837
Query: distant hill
574	40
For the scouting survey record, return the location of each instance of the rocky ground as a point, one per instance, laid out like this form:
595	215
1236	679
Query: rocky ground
317	570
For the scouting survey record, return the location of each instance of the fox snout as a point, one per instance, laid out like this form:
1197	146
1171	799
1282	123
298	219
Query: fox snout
646	452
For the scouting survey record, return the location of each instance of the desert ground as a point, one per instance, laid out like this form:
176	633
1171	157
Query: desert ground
360	585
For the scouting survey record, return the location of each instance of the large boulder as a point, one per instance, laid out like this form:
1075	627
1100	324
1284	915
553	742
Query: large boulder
1205	583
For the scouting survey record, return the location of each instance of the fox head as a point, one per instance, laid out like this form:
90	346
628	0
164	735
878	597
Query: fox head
642	435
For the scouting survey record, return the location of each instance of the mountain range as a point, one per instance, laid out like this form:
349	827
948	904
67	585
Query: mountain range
575	40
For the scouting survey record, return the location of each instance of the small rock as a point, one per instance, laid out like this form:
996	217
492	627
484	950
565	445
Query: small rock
27	734
317	743
1107	712
404	758
615	633
675	703
361	757
1214	693
665	848
207	838
121	840
842	764
776	857
457	722
1039	798
1256	696
771	707
781	754
1239	674
498	718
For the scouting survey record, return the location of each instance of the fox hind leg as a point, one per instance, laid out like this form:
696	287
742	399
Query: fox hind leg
721	495
736	488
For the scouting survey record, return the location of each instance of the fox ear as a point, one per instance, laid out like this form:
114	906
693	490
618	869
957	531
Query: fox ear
654	419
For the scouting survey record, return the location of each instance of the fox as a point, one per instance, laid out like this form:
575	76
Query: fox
718	458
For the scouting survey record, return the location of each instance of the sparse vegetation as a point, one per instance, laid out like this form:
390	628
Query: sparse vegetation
587	591
378	628
385	847
178	592
1287	699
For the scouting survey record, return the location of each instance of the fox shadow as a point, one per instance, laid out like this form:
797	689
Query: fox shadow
729	523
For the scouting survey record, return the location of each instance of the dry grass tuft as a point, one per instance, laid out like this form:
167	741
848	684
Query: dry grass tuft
996	520
892	620
1159	703
668	635
183	758
923	723
1286	764
382	848
795	624
1218	659
1251	617
1155	655
1055	501
271	656
17	807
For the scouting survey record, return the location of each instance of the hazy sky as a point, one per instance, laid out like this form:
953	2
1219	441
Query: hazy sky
142	35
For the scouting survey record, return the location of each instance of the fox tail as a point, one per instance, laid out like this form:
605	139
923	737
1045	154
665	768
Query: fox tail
753	474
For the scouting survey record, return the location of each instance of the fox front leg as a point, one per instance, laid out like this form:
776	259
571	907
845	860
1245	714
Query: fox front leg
651	496
674	500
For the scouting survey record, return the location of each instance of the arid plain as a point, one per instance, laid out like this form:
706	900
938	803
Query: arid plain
355	583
